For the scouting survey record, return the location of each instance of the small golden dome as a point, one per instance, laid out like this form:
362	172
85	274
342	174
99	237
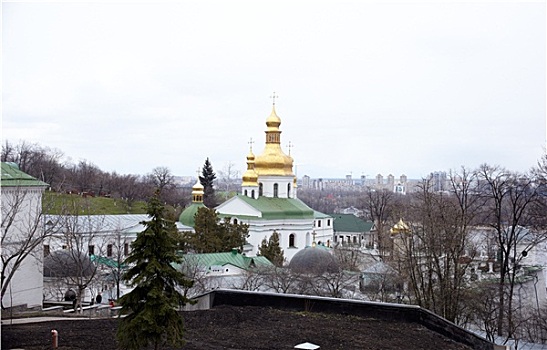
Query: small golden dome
399	227
250	178
273	161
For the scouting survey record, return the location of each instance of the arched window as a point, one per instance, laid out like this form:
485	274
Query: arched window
235	221
288	190
252	193
260	189
291	240
245	193
276	190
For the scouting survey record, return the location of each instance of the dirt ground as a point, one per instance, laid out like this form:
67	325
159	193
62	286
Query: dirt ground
229	327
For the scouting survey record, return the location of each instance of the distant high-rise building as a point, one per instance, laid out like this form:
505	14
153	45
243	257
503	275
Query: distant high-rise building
349	180
391	182
403	179
379	180
438	181
306	181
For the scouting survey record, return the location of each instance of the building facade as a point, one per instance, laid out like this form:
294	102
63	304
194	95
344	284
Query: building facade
22	234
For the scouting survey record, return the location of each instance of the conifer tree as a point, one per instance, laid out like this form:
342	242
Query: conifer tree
207	179
152	318
213	235
271	250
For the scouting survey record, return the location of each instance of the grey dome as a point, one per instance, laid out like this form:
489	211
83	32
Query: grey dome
316	260
67	263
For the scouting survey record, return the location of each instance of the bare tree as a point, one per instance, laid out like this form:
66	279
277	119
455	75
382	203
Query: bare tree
23	230
79	236
193	269
282	280
228	179
510	199
337	284
437	251
380	207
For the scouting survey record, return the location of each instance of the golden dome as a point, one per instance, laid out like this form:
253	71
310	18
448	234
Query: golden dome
399	227
273	161
250	178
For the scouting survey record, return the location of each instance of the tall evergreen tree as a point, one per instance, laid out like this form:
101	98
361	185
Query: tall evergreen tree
152	318
213	235
207	180
271	250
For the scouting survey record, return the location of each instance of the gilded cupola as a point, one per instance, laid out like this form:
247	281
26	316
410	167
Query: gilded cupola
272	161
250	178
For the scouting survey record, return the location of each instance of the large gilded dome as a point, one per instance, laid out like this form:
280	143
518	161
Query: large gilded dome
273	161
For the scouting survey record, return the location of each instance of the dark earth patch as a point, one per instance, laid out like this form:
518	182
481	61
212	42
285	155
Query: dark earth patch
230	327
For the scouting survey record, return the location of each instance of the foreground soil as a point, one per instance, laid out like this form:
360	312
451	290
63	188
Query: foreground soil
229	327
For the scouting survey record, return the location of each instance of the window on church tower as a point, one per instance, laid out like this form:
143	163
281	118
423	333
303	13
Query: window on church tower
260	189
291	240
288	190
276	190
245	193
252	193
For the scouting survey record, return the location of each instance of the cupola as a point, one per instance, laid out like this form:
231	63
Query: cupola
272	161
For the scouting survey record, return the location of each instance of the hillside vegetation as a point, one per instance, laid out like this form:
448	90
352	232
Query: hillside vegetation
61	203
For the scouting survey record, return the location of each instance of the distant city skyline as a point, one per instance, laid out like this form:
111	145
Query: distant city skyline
364	87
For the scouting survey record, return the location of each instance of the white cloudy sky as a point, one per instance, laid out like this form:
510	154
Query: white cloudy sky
364	87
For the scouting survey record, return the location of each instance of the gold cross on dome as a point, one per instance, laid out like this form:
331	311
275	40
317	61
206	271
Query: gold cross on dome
273	97
290	147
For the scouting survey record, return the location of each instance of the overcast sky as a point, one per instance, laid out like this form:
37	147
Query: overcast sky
364	87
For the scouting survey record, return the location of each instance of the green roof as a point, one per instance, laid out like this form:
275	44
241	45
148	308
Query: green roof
187	217
280	208
106	261
230	258
350	223
13	177
320	215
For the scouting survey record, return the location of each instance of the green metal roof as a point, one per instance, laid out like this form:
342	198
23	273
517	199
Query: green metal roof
106	261
187	217
320	215
350	223
280	208
230	258
13	177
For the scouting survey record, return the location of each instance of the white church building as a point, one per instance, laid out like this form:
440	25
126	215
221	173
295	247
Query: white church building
268	201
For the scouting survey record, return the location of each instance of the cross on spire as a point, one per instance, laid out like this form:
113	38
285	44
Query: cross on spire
290	147
273	97
251	144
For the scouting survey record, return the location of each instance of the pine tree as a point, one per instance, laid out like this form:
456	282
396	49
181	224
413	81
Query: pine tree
152	318
271	250
213	235
207	179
